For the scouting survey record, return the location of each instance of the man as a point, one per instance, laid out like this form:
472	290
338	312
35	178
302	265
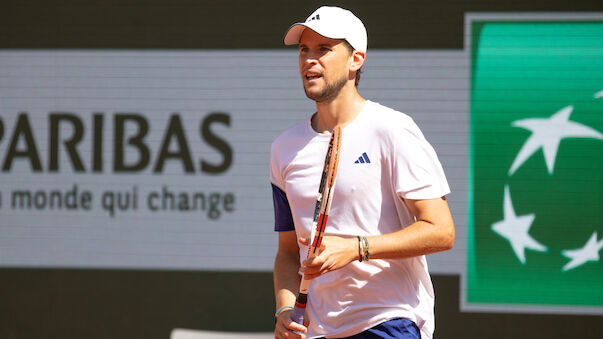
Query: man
390	191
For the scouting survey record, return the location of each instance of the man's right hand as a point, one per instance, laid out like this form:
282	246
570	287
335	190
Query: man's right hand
287	328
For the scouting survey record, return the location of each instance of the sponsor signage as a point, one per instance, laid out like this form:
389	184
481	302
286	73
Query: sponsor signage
140	159
155	159
536	165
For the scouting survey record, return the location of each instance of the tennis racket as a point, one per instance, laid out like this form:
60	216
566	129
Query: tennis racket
321	214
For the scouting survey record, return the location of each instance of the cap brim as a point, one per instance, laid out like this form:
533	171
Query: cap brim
294	33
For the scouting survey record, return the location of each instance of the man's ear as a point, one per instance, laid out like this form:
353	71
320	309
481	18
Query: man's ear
357	60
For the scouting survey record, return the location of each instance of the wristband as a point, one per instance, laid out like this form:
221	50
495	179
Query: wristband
280	310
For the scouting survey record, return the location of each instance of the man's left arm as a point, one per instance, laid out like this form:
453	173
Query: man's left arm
433	231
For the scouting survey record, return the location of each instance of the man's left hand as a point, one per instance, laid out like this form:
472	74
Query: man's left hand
334	253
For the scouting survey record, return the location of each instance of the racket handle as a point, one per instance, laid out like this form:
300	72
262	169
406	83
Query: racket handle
300	308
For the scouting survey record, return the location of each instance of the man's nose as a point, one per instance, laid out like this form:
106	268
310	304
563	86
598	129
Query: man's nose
310	60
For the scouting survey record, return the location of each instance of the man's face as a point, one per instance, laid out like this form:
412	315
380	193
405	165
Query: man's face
324	65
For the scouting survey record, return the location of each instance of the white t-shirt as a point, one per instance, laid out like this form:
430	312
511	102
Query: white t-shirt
384	157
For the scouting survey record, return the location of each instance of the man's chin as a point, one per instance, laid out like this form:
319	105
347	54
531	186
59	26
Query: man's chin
325	92
314	95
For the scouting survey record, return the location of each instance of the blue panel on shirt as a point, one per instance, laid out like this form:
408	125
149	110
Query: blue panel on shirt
283	220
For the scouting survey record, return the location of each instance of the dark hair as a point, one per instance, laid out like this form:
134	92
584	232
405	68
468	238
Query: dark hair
359	71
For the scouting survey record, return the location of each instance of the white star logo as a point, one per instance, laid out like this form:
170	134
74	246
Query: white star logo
599	94
579	256
515	229
547	134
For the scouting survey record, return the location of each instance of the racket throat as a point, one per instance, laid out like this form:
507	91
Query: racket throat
302	300
322	222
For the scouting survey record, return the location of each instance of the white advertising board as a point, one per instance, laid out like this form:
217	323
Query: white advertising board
159	159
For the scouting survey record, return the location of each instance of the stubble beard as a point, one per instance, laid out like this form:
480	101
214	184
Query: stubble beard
328	92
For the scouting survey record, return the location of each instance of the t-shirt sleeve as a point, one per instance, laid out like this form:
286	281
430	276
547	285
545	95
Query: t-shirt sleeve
283	220
417	172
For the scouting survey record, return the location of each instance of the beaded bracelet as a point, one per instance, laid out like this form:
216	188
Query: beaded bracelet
366	248
360	249
363	249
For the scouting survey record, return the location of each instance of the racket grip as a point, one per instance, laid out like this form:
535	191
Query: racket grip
300	308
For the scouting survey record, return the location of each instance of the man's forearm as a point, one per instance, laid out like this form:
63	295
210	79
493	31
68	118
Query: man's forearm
286	279
432	232
420	238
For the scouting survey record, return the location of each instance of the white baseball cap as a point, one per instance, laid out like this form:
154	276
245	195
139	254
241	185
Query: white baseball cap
331	22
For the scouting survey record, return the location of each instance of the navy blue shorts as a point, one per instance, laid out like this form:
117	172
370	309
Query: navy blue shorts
392	329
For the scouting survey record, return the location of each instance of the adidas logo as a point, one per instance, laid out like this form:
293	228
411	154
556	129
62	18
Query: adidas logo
363	159
316	17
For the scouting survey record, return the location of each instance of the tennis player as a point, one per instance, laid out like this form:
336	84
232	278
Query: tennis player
389	209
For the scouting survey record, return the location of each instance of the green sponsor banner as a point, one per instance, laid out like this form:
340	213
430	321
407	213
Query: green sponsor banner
536	174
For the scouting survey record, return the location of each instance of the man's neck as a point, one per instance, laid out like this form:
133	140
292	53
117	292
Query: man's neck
340	111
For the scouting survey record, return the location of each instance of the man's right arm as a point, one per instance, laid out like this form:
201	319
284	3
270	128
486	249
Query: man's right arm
286	283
